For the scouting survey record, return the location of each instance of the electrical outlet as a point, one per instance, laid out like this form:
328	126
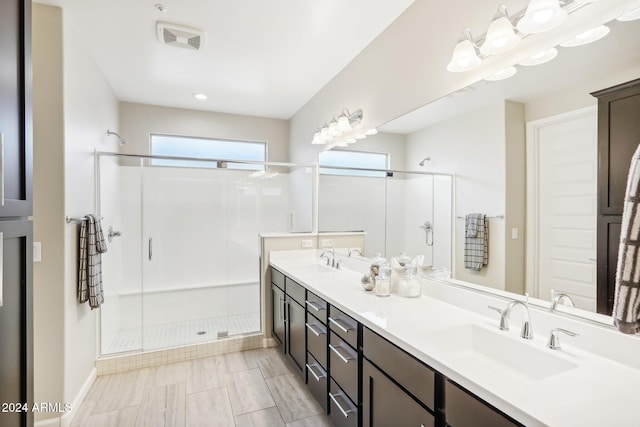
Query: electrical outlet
514	234
37	252
306	244
327	243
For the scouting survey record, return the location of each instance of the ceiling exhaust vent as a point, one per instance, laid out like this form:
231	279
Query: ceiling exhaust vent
179	36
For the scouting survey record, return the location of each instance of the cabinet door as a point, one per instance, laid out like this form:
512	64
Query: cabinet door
278	320
16	327
465	410
296	333
385	404
16	156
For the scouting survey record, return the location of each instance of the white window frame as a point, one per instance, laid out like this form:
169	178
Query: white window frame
347	168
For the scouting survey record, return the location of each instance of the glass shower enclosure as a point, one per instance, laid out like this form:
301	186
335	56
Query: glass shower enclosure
183	254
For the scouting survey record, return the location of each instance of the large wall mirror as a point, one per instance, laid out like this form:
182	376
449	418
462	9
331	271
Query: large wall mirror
524	154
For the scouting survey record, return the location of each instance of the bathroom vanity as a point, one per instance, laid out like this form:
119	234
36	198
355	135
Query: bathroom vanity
427	361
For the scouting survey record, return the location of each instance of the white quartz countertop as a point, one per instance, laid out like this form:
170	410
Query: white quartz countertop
594	391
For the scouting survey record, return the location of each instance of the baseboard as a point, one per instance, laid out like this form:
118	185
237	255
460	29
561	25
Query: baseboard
66	419
50	422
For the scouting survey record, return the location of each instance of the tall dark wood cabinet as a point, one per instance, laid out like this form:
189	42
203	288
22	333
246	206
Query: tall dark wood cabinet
16	241
618	138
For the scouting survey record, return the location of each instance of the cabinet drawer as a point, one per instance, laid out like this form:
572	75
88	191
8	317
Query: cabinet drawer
317	381
277	278
417	378
317	340
465	410
295	291
316	306
343	325
343	413
343	362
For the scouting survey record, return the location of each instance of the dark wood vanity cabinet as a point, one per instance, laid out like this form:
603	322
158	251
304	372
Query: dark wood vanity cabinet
288	317
618	138
360	378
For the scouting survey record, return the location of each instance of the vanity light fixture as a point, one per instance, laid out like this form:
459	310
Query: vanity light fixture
541	16
465	55
500	36
630	15
340	124
502	74
587	37
540	57
371	131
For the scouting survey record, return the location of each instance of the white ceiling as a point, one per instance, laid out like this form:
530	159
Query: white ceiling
261	58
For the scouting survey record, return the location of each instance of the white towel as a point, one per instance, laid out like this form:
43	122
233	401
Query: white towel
626	308
476	242
91	244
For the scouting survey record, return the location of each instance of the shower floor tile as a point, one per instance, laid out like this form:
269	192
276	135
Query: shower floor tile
183	333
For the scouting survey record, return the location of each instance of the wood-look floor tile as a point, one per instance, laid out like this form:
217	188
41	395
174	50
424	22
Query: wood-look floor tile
314	421
272	362
163	407
119	418
83	413
264	418
240	361
205	374
210	408
248	391
122	390
171	373
292	397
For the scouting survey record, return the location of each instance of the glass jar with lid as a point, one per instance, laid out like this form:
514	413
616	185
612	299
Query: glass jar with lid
383	281
377	261
409	283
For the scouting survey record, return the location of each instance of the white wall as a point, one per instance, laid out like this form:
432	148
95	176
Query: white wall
90	108
70	121
48	206
138	121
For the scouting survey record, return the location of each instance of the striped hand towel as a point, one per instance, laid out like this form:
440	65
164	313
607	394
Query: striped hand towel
626	308
92	245
476	241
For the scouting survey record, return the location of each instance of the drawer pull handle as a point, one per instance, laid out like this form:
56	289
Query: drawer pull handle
323	374
314	305
335	350
312	329
341	327
345	413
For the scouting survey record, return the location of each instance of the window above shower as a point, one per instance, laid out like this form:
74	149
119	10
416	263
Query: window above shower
208	148
353	163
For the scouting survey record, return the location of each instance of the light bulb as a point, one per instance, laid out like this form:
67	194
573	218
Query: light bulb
371	131
502	74
587	37
540	57
464	55
541	15
630	15
343	124
500	35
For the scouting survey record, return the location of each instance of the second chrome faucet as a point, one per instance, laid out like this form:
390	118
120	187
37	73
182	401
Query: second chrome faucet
527	330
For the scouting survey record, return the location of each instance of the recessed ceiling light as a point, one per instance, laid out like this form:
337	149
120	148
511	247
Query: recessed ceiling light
200	96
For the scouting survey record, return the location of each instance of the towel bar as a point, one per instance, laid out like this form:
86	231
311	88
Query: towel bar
69	219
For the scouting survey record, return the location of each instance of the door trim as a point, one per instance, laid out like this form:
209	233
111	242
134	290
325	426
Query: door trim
532	189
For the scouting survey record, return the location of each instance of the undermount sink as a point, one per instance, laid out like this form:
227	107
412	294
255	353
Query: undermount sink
485	350
315	268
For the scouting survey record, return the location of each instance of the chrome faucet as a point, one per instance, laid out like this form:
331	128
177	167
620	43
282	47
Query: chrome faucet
354	250
557	299
527	330
325	254
554	339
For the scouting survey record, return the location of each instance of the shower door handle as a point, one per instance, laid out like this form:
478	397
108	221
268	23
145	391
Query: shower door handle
150	248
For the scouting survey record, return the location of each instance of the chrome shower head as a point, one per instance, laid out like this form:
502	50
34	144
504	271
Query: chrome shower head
121	140
426	159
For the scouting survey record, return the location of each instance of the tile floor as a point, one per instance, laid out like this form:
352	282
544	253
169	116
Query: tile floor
251	388
182	333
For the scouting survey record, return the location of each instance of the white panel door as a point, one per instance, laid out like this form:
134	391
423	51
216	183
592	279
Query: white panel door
567	188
